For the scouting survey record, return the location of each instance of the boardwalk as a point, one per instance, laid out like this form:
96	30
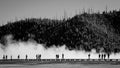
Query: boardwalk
60	66
61	61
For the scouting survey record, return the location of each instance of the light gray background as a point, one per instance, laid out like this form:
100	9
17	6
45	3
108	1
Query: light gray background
11	10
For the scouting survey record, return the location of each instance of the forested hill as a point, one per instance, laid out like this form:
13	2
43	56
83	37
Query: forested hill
82	32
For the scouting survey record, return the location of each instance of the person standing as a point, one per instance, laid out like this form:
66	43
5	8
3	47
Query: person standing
62	56
18	56
26	57
99	56
88	56
3	57
6	57
57	56
102	56
40	56
108	55
11	57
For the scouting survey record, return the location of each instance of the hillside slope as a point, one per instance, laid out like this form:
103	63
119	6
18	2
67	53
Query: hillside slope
81	32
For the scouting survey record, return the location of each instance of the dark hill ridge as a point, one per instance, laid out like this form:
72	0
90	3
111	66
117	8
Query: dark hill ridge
81	32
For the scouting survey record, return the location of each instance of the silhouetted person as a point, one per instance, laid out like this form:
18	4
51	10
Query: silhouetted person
18	56
108	55
99	56
105	56
62	56
40	56
88	56
11	57
57	56
102	56
6	57
3	56
26	56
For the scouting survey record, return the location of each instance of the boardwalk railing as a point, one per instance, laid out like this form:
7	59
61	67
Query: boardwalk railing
44	61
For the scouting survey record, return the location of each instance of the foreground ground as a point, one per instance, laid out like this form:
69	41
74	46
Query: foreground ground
61	66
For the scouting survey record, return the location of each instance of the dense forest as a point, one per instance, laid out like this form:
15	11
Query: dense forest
84	31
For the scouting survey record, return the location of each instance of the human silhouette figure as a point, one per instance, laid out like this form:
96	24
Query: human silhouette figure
102	56
99	56
57	56
26	56
6	57
62	56
108	55
40	56
88	56
3	56
11	57
18	56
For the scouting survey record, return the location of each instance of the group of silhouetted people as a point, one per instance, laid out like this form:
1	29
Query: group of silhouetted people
38	56
57	56
103	56
5	57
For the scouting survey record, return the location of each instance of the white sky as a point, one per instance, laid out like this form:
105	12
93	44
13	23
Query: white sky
17	9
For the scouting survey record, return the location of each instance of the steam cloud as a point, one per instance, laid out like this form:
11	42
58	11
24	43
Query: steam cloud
32	48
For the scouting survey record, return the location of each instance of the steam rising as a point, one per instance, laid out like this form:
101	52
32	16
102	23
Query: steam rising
32	48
